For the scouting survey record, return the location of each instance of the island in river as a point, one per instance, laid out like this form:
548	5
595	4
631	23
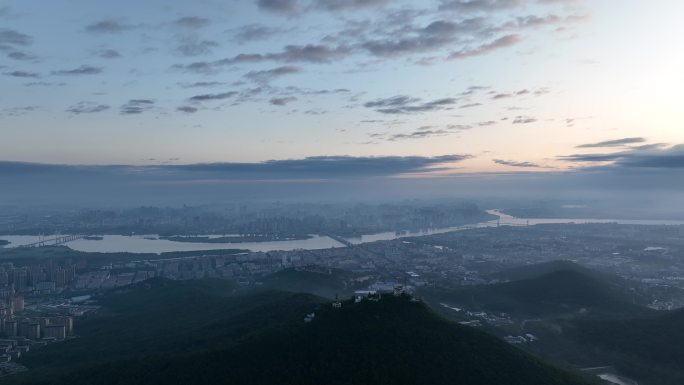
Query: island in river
237	238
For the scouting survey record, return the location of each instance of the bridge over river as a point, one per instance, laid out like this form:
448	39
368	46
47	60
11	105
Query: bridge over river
57	240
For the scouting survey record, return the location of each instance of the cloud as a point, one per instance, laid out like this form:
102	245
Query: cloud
421	133
394	101
523	92
137	106
43	84
343	5
278	6
23	74
307	91
108	26
435	35
402	104
187	109
502	42
201	84
191	46
328	166
192	22
107	53
590	157
82	70
647	158
516	164
311	53
87	108
524	120
316	167
268	75
479	5
290	7
473	90
14	38
254	32
613	143
209	97
283	101
18	111
18	55
650	146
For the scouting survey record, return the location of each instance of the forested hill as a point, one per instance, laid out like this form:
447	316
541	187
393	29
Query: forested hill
262	339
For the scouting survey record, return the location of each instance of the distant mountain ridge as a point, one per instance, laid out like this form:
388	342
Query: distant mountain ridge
555	292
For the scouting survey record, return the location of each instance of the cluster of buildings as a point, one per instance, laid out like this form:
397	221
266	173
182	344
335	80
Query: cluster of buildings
471	257
37	328
20	331
644	254
38	278
518	340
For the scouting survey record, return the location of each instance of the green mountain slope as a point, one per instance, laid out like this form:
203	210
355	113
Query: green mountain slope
163	316
554	293
321	282
262	339
538	269
650	348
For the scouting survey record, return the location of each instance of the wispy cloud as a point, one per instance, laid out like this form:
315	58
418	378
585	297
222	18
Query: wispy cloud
255	32
108	26
516	163
283	101
187	109
502	42
87	108
107	53
524	120
648	157
209	97
22	74
279	6
137	106
192	22
82	70
266	76
12	37
402	104
614	143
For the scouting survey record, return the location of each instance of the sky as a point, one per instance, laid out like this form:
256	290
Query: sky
316	89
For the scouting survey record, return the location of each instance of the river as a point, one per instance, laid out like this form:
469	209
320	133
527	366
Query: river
152	243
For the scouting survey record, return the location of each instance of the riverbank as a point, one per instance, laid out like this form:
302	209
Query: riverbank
237	238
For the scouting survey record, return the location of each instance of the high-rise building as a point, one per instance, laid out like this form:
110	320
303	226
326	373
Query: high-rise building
20	280
30	330
10	329
54	331
68	323
18	304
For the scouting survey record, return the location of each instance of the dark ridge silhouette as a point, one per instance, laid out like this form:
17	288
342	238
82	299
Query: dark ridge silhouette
197	332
